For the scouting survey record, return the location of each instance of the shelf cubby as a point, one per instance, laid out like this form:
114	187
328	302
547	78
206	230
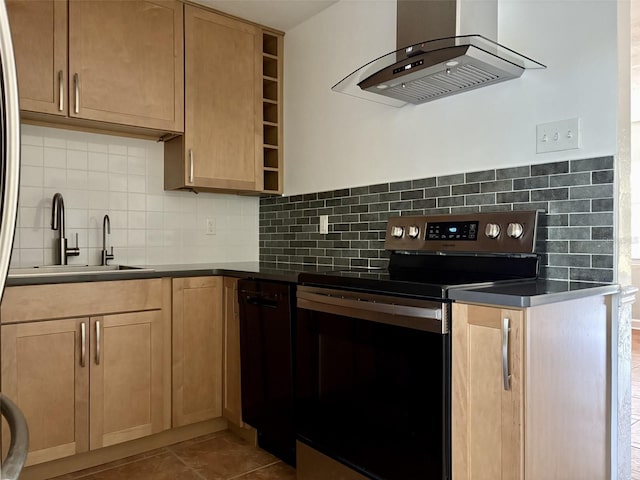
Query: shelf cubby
272	46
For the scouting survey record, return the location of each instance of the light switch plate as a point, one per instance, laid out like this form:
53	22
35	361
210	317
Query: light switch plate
558	136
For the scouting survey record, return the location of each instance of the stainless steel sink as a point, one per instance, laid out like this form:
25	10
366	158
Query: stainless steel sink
46	270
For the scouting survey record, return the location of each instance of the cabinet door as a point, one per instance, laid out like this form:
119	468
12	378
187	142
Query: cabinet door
223	102
39	32
127	391
232	400
197	349
487	427
44	372
128	59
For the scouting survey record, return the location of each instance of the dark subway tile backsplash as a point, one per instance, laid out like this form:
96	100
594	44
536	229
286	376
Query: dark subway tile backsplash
576	230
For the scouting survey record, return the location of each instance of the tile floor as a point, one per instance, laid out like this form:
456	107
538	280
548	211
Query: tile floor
635	406
219	456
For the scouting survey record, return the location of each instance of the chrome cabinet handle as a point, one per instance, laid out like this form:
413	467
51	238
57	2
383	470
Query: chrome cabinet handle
190	165
76	84
61	87
83	344
506	377
19	444
97	342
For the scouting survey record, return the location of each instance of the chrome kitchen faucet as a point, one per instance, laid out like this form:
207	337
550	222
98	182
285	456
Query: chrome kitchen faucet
57	223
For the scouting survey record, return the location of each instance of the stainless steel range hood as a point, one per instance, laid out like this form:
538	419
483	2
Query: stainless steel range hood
442	65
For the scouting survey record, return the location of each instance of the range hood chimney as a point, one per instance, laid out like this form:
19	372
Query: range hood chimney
433	60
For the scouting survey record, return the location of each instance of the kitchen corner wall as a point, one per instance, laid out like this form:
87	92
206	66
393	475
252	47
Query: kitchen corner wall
122	177
575	234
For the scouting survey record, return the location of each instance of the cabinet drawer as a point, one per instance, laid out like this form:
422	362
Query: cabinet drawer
36	302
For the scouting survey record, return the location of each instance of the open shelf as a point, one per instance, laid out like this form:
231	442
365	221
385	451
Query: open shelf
272	112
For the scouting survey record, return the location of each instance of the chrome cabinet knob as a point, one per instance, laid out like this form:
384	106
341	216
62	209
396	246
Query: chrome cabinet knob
492	230
414	231
515	230
397	232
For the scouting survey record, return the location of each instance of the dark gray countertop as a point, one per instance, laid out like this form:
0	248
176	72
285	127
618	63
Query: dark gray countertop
265	271
531	293
518	294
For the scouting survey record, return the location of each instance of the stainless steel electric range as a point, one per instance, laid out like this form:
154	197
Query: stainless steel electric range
373	347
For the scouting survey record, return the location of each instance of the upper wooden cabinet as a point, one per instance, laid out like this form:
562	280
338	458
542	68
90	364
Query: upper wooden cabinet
125	61
39	31
530	391
223	145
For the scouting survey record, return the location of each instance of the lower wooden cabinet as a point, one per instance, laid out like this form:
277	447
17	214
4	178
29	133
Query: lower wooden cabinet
126	370
487	417
231	397
530	391
89	381
197	349
45	375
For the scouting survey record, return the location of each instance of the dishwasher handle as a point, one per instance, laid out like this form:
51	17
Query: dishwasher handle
260	301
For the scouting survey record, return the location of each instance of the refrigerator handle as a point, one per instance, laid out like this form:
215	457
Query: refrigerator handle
17	456
10	174
9	184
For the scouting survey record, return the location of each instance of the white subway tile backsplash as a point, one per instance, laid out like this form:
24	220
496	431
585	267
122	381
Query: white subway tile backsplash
77	160
76	145
99	200
55	157
117	200
77	178
117	163
155	203
55	177
32	140
136	201
136	184
136	165
155	220
31	176
32	155
136	220
97	147
122	177
98	181
31	196
116	149
55	138
98	162
117	182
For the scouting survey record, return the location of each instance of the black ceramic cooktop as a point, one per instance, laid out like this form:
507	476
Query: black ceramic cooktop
427	275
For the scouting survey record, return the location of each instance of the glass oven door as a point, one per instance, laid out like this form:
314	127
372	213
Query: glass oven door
373	383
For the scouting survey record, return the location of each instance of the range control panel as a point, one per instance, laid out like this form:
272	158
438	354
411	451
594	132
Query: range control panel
496	232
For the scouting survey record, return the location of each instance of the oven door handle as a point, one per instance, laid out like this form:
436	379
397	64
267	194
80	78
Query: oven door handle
431	319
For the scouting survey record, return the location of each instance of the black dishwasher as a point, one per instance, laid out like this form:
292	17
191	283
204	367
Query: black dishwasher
266	331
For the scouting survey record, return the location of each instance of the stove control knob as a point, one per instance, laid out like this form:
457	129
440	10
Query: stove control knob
397	231
515	230
414	231
492	230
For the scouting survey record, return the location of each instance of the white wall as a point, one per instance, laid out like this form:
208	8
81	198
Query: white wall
334	141
100	174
